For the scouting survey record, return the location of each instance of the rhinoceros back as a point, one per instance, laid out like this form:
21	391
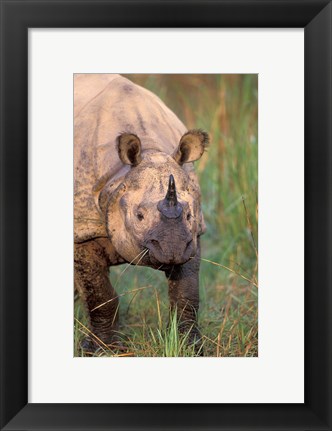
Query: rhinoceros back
106	105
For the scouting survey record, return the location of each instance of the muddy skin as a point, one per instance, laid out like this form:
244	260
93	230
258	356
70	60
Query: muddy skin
136	200
183	291
91	265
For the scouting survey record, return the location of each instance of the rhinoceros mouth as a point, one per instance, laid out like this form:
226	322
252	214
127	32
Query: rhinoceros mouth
172	254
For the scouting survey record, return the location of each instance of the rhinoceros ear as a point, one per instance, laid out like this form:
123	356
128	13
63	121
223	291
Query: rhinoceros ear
191	146
129	149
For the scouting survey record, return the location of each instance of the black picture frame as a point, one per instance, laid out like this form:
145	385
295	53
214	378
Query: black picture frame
16	18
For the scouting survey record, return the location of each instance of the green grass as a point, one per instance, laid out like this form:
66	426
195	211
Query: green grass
226	107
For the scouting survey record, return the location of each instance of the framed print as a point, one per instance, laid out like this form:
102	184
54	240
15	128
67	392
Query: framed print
248	82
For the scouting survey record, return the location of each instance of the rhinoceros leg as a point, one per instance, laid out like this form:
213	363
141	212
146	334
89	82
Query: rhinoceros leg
183	289
92	282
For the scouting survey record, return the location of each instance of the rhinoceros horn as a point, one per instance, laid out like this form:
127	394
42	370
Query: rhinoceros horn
170	207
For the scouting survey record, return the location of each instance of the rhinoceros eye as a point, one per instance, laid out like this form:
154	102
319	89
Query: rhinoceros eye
140	216
188	216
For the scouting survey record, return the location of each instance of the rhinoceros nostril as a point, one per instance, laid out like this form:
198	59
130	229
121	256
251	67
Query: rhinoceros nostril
155	244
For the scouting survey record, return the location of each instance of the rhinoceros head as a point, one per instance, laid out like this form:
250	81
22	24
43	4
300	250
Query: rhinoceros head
154	215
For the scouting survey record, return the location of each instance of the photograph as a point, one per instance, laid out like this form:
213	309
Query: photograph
165	215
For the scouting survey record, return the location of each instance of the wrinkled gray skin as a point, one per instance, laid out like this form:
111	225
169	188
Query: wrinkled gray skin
136	198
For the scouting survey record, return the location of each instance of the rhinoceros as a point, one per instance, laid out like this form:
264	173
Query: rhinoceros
136	199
